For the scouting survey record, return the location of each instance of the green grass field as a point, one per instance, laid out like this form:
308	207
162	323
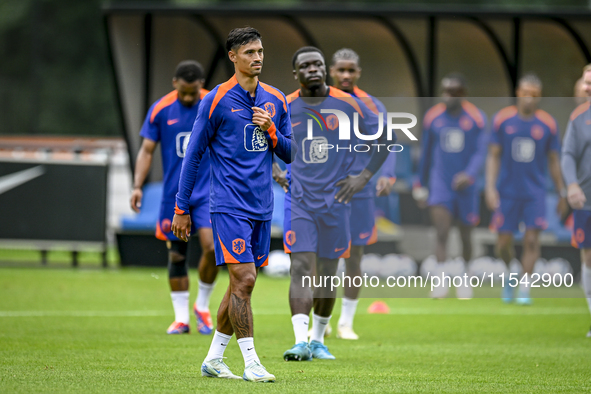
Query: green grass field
93	330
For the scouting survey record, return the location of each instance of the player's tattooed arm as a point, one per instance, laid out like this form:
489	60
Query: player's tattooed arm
241	316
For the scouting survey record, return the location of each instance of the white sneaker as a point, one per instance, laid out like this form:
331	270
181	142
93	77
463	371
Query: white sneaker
327	332
217	369
440	292
255	372
464	292
345	332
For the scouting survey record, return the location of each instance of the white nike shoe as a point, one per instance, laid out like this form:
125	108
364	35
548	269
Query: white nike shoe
440	292
327	332
345	332
255	372
217	368
464	292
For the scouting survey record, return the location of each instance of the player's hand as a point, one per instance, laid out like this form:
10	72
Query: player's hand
576	197
350	185
181	226
261	118
461	181
562	208
383	186
136	199
280	176
492	199
420	195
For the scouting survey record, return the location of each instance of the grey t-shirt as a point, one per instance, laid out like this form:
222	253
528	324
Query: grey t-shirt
576	151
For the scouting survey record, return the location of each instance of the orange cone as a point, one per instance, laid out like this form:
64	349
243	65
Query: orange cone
378	307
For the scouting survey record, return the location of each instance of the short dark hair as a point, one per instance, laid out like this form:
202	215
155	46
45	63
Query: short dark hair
455	76
241	36
189	71
304	50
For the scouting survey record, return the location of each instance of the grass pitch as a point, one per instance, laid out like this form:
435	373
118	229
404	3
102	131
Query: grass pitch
91	330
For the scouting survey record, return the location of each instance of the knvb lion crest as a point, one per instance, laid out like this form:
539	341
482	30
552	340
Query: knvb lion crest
238	246
270	108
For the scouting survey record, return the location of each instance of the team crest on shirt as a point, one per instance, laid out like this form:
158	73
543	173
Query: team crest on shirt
290	237
537	132
270	108
254	139
238	246
332	122
166	225
466	123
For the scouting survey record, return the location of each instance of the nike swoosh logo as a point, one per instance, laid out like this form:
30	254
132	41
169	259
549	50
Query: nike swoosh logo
10	181
364	235
295	124
249	349
224	344
236	110
172	121
339	249
260	257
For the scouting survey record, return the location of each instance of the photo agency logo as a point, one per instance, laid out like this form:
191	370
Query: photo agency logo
335	118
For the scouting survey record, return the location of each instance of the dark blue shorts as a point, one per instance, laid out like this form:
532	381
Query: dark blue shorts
199	212
582	229
512	211
362	222
324	232
463	205
238	239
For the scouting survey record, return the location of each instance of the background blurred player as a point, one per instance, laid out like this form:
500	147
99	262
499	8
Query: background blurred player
576	167
524	140
345	72
242	122
579	91
169	121
319	233
453	153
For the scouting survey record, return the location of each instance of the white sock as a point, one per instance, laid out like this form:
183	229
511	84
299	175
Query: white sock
180	303
301	324
348	309
203	295
586	281
523	288
319	327
218	345
248	352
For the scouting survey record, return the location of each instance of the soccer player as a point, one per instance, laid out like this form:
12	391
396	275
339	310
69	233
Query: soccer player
243	122
576	167
345	72
524	140
169	121
320	212
453	153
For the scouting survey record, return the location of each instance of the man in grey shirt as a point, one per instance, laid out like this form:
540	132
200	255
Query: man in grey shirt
576	167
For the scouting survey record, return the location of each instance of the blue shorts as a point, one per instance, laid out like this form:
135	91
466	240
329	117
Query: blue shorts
581	238
463	205
238	239
199	212
362	223
512	211
288	235
325	233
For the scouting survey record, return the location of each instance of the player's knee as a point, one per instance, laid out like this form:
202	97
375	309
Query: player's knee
531	242
301	265
245	285
178	268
